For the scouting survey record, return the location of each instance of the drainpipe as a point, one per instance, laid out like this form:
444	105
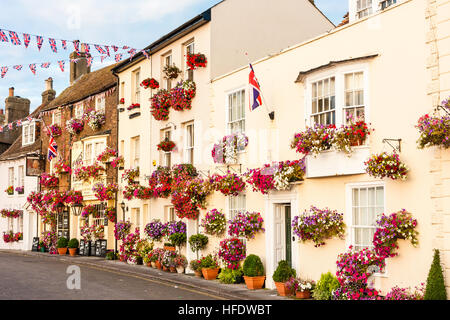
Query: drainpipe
117	144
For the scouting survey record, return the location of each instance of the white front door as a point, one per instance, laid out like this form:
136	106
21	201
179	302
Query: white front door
280	234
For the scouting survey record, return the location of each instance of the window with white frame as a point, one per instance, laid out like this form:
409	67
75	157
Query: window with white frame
99	218
236	204
137	86
354	97
28	133
386	3
189	144
168	62
21	172
20	223
170	214
363	8
11	224
323	100
79	110
56	117
367	204
135	151
99	147
136	213
189	74
11	176
167	155
87	153
236	111
100	104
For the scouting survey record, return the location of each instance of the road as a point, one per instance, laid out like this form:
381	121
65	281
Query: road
35	278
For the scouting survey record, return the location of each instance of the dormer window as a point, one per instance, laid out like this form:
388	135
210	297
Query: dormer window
28	133
386	3
363	8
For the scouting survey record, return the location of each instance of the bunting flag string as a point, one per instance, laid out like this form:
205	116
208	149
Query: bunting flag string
26	39
64	44
52	43
118	57
76	45
3	36
18	67
61	65
33	68
18	123
4	70
39	41
45	65
14	38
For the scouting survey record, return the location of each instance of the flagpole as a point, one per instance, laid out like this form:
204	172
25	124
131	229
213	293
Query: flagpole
271	113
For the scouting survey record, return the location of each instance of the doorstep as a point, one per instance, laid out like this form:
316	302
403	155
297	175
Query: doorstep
214	287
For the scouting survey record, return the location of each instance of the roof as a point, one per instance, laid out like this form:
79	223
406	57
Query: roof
345	20
88	84
170	37
301	76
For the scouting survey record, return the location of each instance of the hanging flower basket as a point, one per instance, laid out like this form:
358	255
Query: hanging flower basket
229	184
160	105
386	165
74	126
61	167
214	223
171	72
95	119
89	210
246	224
232	252
435	129
182	94
166	145
226	151
11	213
54	130
86	172
196	60
117	162
105	193
130	175
150	83
49	181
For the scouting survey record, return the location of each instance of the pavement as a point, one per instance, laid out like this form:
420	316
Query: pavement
198	287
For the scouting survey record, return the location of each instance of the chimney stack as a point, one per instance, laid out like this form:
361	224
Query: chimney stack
49	94
16	107
79	68
11	92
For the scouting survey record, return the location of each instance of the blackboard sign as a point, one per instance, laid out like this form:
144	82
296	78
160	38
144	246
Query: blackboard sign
92	249
87	248
100	248
82	247
35	245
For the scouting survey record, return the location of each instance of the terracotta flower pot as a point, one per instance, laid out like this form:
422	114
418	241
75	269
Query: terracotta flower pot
282	289
254	283
165	268
173	269
73	252
169	248
180	269
198	273
158	265
149	264
303	294
62	251
209	273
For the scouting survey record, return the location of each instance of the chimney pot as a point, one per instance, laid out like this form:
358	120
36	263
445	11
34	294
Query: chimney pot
11	92
49	84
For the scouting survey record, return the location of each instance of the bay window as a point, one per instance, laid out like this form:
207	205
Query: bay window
324	102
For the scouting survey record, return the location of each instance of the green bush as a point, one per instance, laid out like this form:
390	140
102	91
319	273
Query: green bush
195	265
283	272
230	276
209	262
62	243
110	255
178	239
73	243
198	242
435	289
253	267
325	287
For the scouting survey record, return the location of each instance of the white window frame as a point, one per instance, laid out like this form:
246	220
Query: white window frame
366	11
167	155
354	106
11	176
57	117
136	213
137	86
231	209
323	97
88	157
135	151
339	74
227	109
100	103
187	71
21	176
348	216
167	82
169	214
387	2
28	133
189	150
79	111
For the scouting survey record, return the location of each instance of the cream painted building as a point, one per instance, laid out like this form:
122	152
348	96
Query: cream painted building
396	60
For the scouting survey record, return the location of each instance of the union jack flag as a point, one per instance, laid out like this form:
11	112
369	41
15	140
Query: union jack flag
61	65
87	48
115	48
99	49
52	149
145	54
45	65
33	68
19	123
3	36
255	98
107	50
29	118
53	45
125	47
18	67
89	61
10	126
74	60
39	41
132	52
26	39
64	44
14	38
4	71
118	57
102	58
76	45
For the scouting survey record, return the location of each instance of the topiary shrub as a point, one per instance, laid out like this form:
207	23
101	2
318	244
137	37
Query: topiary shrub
253	266
325	287
73	243
283	272
198	242
435	289
230	276
178	239
62	243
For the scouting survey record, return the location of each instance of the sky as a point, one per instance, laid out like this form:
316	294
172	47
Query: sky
134	23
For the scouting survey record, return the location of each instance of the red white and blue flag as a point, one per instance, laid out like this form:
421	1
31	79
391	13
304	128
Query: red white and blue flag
29	118
64	44
45	65
115	48
18	67
14	38
87	48
52	43
89	61
39	41
52	149
99	49
255	98
10	126
19	123
61	65
4	71
107	50
33	68
118	57
76	45
26	39
3	36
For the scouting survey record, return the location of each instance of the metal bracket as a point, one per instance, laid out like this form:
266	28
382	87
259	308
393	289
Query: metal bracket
445	109
398	147
203	173
232	169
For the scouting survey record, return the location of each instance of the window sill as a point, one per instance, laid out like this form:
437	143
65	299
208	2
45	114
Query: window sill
134	115
332	163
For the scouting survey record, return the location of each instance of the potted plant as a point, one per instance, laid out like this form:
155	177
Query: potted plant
168	261
20	190
10	190
181	263
325	287
110	255
178	239
253	272
302	288
198	242
73	246
195	266
62	245
281	275
210	267
41	246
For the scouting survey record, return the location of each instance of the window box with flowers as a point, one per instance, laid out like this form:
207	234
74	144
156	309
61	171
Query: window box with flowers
435	129
84	173
107	155
122	101
105	193
151	83
95	119
74	126
160	105
10	236
61	167
227	150
229	184
20	190
10	190
133	106
130	176
54	130
196	60
11	213
49	181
